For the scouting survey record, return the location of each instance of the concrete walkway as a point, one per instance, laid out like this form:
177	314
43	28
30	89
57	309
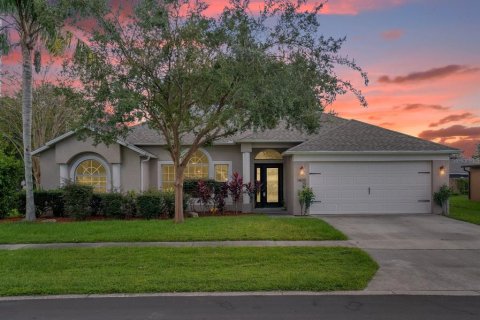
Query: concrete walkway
180	244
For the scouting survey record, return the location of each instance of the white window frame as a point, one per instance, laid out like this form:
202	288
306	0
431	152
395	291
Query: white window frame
228	163
74	166
211	167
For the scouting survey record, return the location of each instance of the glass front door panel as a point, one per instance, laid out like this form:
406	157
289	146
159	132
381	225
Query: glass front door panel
258	179
272	185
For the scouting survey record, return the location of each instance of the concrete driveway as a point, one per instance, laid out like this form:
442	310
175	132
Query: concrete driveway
417	252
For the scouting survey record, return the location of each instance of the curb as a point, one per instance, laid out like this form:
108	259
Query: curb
249	293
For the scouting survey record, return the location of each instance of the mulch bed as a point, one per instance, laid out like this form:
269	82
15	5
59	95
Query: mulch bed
102	218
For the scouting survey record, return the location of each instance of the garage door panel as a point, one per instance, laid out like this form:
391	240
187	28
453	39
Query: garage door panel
395	187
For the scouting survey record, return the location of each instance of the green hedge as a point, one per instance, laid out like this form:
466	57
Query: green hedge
77	201
80	203
150	204
47	202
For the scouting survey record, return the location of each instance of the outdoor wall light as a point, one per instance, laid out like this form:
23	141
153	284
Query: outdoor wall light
301	173
442	170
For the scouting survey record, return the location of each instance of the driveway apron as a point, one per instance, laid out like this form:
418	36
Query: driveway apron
416	252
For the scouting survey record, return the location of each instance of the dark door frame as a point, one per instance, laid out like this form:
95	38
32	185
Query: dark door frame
263	178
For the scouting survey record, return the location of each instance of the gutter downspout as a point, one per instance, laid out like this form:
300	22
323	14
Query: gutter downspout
141	173
469	182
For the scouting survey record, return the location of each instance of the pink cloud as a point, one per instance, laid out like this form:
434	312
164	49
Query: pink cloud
452	118
393	34
354	7
430	74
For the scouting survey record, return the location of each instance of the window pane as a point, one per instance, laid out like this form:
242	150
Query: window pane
168	176
92	173
197	167
258	179
221	172
268	154
272	185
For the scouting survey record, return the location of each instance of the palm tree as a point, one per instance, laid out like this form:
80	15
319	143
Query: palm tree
39	25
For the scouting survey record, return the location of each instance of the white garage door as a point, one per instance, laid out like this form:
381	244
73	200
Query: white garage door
371	187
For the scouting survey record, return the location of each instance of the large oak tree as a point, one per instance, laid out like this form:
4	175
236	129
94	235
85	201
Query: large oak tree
185	73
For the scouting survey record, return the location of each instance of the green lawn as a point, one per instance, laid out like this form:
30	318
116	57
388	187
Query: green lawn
200	229
133	270
463	209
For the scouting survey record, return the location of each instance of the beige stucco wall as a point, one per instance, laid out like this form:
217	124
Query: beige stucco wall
130	170
438	180
287	177
50	171
68	151
475	184
69	148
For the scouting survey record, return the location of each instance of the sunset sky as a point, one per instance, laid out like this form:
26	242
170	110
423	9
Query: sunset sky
422	58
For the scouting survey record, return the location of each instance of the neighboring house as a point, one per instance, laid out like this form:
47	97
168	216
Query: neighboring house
353	167
457	172
456	167
474	181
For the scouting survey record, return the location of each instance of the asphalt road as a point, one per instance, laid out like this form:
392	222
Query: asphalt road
368	307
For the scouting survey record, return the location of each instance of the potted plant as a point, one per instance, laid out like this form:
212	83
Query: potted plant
306	198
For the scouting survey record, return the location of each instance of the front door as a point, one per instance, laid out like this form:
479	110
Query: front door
271	179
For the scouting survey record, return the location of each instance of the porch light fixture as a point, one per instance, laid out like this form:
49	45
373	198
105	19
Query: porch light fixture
301	173
442	170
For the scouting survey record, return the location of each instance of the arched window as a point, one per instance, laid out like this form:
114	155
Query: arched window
93	173
268	154
197	167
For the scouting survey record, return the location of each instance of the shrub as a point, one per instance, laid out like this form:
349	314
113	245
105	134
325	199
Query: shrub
169	203
220	194
77	200
190	186
96	204
112	205
204	194
130	204
441	198
150	204
49	201
305	197
10	178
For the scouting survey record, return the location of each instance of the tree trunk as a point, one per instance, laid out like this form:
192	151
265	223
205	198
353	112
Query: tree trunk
179	216
36	172
27	130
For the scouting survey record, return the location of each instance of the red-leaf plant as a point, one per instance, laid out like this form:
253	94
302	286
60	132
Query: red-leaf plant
252	188
204	194
235	186
220	194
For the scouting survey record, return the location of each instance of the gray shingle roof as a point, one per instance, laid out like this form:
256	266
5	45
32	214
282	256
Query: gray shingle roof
354	135
456	166
334	134
143	135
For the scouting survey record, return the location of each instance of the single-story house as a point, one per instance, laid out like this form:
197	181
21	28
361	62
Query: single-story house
474	181
352	167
